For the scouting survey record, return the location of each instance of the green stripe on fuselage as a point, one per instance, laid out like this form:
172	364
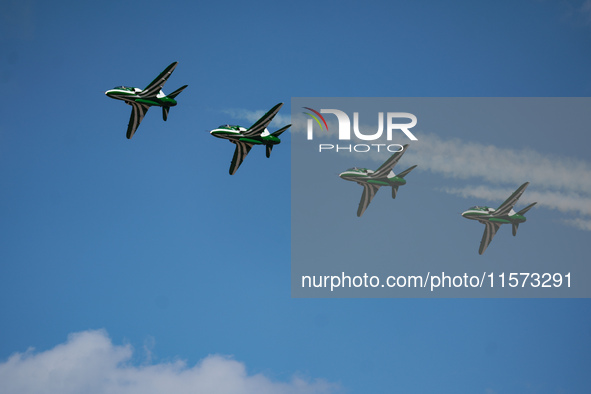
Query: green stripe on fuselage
388	181
145	101
378	182
269	139
499	220
164	101
251	141
397	180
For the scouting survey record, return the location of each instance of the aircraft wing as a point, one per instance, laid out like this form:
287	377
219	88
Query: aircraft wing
385	168
260	125
156	85
509	203
137	114
490	229
242	149
369	191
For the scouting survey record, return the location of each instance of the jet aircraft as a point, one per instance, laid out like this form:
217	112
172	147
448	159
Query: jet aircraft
245	139
141	100
493	218
373	180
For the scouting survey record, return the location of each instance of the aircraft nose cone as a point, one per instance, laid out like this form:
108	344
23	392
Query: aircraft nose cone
219	132
215	133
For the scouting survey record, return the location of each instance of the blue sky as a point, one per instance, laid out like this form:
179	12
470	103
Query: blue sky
127	259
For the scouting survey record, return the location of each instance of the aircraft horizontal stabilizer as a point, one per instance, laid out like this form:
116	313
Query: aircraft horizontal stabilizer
405	172
177	92
394	191
515	227
280	131
268	150
165	113
524	210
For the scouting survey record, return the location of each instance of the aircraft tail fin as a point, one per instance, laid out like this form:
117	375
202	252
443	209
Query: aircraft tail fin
515	227
394	191
268	150
406	172
280	131
524	210
177	92
165	113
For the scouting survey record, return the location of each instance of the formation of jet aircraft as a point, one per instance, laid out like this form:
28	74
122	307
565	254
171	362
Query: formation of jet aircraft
373	180
141	100
245	139
494	218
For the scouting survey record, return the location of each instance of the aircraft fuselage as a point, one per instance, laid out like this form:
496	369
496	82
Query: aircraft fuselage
363	175
485	214
130	94
234	133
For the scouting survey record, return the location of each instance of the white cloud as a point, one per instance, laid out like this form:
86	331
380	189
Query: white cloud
252	116
579	223
459	159
89	363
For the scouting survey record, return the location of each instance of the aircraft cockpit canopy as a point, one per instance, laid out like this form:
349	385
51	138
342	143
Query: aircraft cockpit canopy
476	207
228	126
124	88
357	169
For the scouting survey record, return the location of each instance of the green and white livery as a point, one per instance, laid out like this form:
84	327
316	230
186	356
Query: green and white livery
493	218
373	180
245	139
141	100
